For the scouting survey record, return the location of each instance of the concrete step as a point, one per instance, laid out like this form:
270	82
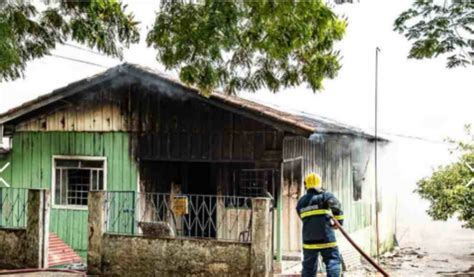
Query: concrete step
59	253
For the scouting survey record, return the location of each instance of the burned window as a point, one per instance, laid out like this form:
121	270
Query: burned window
357	178
257	182
293	177
250	183
74	178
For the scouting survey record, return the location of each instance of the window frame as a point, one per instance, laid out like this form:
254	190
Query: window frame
362	172
356	183
53	178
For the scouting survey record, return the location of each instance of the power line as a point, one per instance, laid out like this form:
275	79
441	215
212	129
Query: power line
86	50
79	61
82	48
418	138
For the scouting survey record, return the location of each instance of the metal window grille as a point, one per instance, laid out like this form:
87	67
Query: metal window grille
217	217
255	182
75	178
120	212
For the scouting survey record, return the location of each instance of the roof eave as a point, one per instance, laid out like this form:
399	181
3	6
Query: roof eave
57	95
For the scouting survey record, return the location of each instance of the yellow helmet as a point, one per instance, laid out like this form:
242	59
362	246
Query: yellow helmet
312	181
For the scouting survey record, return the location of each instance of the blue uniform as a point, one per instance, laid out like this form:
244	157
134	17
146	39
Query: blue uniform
315	209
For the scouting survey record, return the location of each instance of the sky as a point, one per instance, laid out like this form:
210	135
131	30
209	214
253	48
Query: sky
416	98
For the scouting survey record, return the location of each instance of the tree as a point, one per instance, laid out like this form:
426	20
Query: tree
235	45
248	44
450	189
440	29
27	34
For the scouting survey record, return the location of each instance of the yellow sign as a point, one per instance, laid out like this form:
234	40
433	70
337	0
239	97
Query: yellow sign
180	205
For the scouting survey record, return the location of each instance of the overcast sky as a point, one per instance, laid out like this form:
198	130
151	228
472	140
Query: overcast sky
419	98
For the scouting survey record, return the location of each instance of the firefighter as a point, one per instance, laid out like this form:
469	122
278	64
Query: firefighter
315	209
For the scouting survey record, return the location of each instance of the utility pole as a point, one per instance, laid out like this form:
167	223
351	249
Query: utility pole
377	51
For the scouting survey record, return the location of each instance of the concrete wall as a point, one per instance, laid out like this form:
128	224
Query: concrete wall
28	248
150	256
12	242
125	255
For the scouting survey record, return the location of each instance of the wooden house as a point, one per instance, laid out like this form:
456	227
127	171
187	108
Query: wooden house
133	129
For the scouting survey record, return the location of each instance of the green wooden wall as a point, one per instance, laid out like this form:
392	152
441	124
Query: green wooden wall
31	167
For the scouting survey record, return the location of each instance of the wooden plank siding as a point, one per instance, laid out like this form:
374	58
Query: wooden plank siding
192	130
333	158
133	123
31	167
163	127
95	117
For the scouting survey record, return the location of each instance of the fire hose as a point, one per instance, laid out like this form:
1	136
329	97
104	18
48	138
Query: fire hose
367	257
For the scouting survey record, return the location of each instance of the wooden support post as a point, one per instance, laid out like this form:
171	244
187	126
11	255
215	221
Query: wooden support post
175	220
261	256
37	229
96	229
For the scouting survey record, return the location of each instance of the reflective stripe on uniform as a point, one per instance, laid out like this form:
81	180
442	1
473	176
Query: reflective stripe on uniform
320	245
314	212
339	217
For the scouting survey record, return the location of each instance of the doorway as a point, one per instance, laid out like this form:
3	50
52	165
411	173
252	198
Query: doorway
291	189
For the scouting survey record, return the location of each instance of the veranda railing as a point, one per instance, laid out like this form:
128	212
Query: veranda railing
184	215
13	205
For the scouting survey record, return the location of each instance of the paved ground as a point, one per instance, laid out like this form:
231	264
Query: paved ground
430	248
446	249
426	249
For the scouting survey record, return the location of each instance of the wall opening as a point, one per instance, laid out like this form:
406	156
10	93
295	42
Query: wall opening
74	177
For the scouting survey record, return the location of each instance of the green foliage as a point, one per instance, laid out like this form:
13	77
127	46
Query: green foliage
235	45
27	34
448	189
439	29
248	44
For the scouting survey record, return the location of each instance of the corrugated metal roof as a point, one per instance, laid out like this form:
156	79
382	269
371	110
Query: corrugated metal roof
305	122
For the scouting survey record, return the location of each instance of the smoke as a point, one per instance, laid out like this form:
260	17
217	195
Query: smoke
155	82
339	150
145	80
317	138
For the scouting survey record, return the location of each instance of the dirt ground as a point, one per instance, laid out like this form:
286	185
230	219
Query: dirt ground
409	261
426	248
429	249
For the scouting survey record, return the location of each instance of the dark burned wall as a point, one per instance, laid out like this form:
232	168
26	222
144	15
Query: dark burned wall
159	126
176	127
164	126
195	177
